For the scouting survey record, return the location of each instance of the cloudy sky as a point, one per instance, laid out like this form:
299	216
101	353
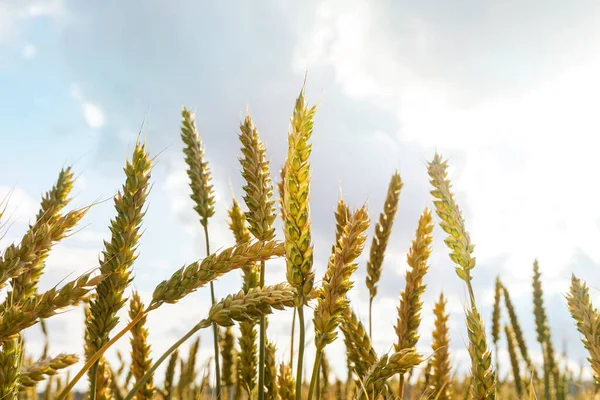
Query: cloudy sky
507	91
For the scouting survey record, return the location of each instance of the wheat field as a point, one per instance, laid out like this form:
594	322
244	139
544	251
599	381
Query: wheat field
244	362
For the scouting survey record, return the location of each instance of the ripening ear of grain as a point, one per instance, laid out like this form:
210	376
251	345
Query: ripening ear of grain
296	217
203	197
510	340
331	299
286	387
261	214
228	353
247	357
409	310
386	367
551	374
587	320
270	372
360	352
517	332
46	367
169	382
441	386
140	348
118	257
383	230
496	315
459	242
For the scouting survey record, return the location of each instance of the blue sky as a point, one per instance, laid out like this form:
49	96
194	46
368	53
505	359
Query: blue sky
507	91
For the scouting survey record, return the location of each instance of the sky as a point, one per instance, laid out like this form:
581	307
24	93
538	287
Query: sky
508	92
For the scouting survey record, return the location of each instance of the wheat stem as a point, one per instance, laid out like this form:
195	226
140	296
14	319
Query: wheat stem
315	373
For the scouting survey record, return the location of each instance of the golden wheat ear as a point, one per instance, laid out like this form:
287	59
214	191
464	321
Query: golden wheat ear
461	253
587	321
118	257
140	348
441	385
383	230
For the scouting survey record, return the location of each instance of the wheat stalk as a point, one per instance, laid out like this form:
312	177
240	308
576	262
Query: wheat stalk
383	230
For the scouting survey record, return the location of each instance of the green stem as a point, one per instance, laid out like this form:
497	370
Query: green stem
401	387
203	324
370	309
315	373
292	340
215	327
94	380
261	346
300	351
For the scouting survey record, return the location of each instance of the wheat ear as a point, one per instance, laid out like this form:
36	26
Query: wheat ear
228	353
510	340
261	210
383	230
285	383
409	310
119	254
386	367
25	285
296	212
270	372
459	242
441	380
140	348
38	371
587	321
516	330
360	352
496	315
543	333
247	357
170	376
204	202
331	299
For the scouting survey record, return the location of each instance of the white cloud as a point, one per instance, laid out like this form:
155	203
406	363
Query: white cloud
93	115
29	51
14	15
